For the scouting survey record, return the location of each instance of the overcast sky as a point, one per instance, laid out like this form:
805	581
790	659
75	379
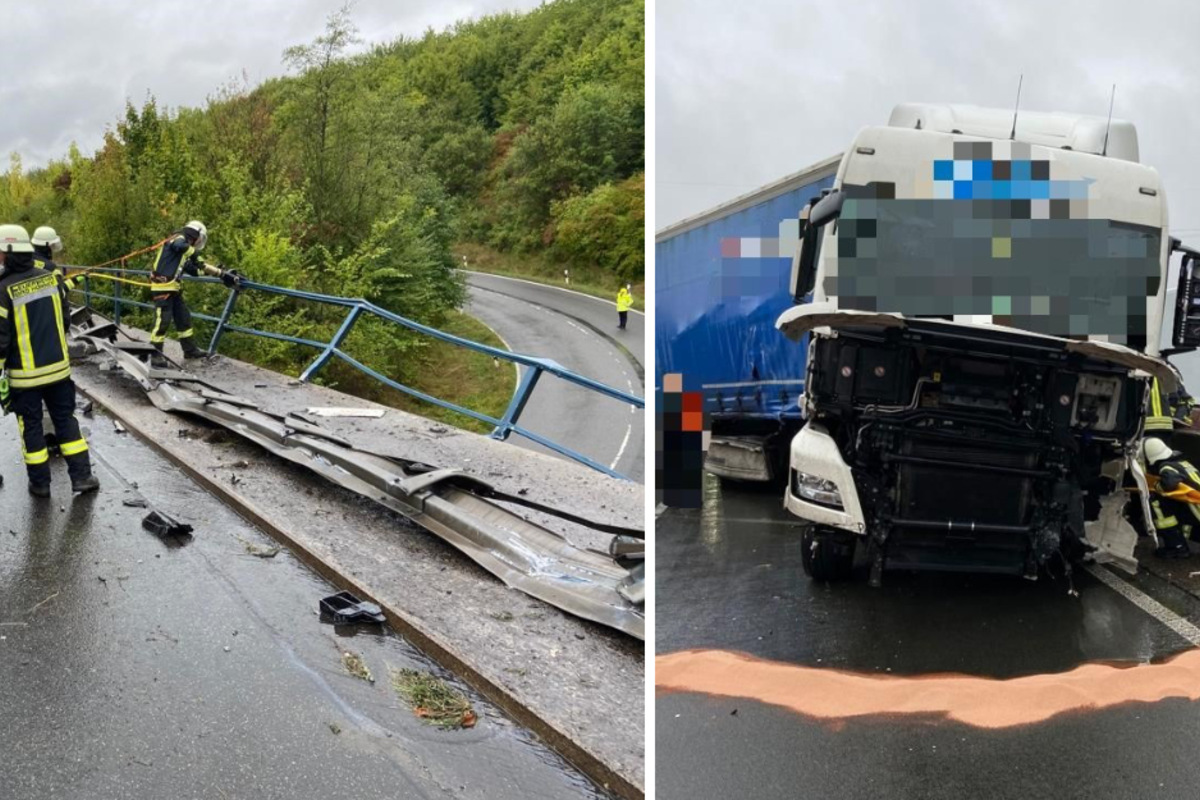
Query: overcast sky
70	65
748	92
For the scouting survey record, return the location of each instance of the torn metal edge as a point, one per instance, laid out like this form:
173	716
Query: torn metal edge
524	555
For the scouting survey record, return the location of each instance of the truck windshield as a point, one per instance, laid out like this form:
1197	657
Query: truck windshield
1021	263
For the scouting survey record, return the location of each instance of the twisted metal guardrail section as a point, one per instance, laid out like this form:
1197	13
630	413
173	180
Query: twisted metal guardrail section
505	426
466	511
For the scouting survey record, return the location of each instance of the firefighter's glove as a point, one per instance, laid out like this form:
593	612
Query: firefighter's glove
1169	481
231	278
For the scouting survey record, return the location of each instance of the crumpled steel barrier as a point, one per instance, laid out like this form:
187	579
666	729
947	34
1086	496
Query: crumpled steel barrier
459	508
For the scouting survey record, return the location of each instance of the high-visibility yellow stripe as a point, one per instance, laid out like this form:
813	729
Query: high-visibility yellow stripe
157	334
73	448
186	334
24	343
3	312
1161	520
37	457
48	368
30	383
1155	400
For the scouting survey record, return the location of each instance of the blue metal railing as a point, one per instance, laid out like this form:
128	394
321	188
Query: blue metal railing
505	426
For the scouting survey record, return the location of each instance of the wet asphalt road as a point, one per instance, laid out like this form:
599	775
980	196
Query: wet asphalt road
728	576
130	669
600	427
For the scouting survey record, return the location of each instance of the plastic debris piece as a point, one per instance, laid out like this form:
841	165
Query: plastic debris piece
345	412
135	502
344	608
165	526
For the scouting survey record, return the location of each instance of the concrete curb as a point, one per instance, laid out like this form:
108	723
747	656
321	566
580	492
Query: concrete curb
411	627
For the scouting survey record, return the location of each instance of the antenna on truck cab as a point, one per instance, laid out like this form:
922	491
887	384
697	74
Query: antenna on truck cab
1108	125
1017	107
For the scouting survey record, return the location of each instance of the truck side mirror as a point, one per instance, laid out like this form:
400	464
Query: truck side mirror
804	261
828	209
1187	304
818	213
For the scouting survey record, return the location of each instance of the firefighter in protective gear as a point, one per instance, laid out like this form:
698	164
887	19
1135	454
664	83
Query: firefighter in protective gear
624	303
175	258
46	246
1168	411
33	349
1174	498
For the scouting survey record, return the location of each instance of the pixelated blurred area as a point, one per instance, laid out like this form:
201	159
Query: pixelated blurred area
991	235
679	444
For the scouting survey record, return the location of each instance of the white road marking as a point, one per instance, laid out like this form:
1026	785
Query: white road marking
621	452
550	286
1146	603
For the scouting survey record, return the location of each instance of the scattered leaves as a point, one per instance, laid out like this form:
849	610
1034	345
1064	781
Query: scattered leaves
355	665
433	700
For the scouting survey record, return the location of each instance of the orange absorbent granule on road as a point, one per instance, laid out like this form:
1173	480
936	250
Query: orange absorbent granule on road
983	702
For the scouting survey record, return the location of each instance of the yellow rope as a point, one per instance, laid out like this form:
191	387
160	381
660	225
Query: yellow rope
169	286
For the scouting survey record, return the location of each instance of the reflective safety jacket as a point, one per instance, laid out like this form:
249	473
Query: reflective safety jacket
33	325
1178	479
174	257
41	262
1168	410
624	300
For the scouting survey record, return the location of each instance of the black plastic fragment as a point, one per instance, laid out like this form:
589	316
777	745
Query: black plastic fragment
165	526
344	608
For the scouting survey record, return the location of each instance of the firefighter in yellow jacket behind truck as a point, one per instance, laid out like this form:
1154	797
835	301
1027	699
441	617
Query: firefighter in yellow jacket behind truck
33	350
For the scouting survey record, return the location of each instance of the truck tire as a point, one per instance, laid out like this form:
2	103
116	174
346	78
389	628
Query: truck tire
827	554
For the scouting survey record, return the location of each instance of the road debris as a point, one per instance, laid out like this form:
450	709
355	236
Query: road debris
331	411
258	551
135	502
433	700
462	509
344	608
165	526
356	666
39	605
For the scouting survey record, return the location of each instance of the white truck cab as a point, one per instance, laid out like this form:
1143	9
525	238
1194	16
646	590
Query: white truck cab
984	302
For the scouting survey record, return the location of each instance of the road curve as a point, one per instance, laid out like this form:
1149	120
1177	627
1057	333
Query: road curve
593	311
601	428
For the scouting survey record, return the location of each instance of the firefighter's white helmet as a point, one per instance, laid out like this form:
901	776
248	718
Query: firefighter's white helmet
1155	450
14	239
201	233
45	236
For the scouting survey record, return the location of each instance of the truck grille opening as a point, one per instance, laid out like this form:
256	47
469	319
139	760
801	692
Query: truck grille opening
960	489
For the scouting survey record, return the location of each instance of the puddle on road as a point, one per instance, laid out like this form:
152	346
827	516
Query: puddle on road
981	702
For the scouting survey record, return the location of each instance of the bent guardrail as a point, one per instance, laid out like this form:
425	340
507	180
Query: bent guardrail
505	426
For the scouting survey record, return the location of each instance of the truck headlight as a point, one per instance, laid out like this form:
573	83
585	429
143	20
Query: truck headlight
817	490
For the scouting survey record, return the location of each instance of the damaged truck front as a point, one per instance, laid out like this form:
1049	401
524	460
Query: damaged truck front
984	310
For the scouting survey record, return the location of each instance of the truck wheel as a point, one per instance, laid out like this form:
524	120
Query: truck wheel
827	555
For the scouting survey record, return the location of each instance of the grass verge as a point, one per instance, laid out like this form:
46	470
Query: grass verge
465	377
596	282
433	700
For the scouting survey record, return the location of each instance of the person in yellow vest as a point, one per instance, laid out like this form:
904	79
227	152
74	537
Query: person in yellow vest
37	365
624	303
176	258
47	244
1168	411
1174	498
